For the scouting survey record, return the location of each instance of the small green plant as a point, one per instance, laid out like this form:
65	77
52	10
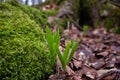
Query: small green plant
109	23
51	39
53	44
68	53
117	30
85	29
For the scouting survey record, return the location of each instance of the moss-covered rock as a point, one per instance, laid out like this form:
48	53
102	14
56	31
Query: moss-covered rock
38	16
23	54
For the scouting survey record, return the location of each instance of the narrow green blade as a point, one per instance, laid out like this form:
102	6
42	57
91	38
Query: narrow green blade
49	38
56	39
74	47
60	56
66	52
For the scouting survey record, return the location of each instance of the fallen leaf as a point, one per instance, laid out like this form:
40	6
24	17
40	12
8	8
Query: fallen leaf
89	72
115	48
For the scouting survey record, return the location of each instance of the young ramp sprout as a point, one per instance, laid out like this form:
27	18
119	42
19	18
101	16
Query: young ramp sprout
53	44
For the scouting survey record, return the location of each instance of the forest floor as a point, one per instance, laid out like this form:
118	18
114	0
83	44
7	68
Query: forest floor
96	58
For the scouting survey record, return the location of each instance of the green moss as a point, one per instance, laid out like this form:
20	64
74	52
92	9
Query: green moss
38	16
23	54
51	12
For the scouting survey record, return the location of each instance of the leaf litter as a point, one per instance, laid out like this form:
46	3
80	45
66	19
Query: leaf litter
96	58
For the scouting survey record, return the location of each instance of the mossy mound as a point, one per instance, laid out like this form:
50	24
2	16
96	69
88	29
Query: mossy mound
23	54
38	16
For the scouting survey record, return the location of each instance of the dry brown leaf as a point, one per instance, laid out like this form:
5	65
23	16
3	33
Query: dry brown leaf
89	72
77	64
98	65
115	48
69	71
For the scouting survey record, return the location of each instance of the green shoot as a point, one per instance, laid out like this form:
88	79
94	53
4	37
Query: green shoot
53	44
85	29
51	39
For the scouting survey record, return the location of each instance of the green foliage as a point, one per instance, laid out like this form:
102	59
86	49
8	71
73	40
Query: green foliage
53	44
97	23
109	23
87	4
68	53
85	29
38	16
23	54
112	22
76	8
51	39
117	29
51	12
63	23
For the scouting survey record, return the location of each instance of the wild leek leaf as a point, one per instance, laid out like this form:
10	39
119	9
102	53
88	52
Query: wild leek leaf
74	47
49	38
66	52
60	56
56	38
53	44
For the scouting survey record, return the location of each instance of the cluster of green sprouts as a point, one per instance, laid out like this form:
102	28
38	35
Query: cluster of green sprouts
53	41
